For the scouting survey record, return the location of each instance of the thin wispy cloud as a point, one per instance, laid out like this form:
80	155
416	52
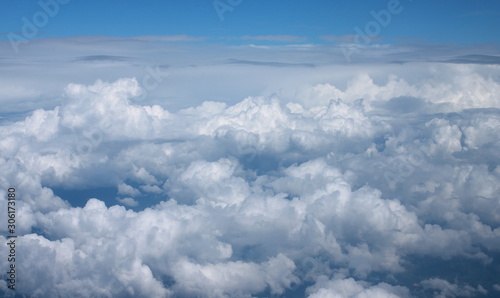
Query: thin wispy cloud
171	38
476	59
102	58
278	38
269	63
348	38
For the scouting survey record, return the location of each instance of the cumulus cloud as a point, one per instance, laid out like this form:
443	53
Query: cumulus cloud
124	189
442	288
128	202
352	288
341	190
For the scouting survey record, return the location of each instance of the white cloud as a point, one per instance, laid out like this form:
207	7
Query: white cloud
128	202
282	38
27	85
234	278
340	288
170	38
151	189
270	195
124	189
442	288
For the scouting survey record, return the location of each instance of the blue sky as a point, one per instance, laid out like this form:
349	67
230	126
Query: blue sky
419	21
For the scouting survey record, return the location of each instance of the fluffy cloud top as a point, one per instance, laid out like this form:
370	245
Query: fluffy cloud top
336	192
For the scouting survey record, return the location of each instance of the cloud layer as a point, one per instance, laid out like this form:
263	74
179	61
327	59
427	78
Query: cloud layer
336	191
